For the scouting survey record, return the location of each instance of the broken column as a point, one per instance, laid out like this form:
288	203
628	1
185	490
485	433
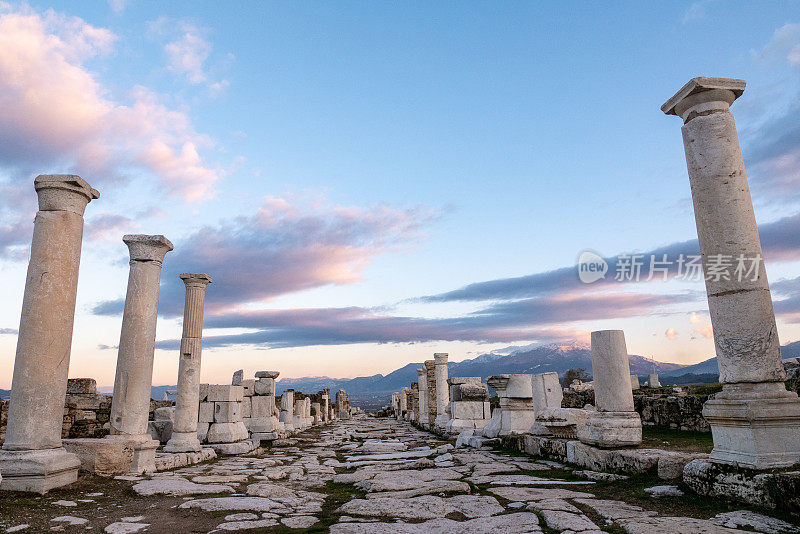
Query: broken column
130	406
403	403
755	421
515	394
422	384
430	380
413	402
614	423
442	389
184	432
343	403
32	458
287	410
547	393
316	413
227	434
263	424
326	405
652	381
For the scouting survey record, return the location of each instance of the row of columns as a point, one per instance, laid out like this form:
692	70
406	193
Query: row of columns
33	458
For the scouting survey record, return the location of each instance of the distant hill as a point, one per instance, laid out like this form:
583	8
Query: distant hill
5	393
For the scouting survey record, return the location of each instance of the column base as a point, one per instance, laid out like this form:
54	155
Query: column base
144	451
183	442
609	430
755	425
441	421
37	471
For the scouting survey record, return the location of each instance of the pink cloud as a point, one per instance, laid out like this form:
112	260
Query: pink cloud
671	334
56	112
705	330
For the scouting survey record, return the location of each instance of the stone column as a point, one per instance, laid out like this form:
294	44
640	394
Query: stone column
403	403
32	458
287	410
515	393
130	406
184	433
326	404
442	389
430	380
755	422
614	423
422	415
414	402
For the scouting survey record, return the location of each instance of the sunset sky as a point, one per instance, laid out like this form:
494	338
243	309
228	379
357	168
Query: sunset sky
369	182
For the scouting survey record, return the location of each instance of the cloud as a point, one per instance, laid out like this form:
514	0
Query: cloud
118	6
57	113
696	318
9	331
188	51
784	46
671	334
283	248
705	330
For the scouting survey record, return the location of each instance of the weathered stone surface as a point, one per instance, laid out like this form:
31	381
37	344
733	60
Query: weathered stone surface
561	520
673	525
664	491
759	522
221	504
101	457
424	507
177	486
518	522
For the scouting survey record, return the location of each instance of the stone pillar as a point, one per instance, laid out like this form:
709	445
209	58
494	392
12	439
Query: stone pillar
413	407
755	422
32	458
326	406
652	380
403	403
442	389
614	423
430	380
422	415
316	411
287	410
130	406
634	382
184	433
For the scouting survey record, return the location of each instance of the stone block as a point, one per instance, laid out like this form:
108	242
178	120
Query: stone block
206	412
246	407
166	413
262	406
225	393
267	374
81	386
202	431
203	391
248	385
226	432
470	410
37	471
227	449
672	463
264	386
227	412
519	386
101	456
238	376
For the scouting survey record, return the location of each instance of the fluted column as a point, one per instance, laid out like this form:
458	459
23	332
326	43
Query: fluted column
754	420
184	433
32	458
130	406
442	389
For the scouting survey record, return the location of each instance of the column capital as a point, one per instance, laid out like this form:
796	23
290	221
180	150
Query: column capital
147	247
195	279
63	192
704	94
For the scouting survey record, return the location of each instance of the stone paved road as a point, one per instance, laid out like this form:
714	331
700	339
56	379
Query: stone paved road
361	476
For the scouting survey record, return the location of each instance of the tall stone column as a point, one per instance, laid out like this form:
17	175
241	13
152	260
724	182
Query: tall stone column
614	423
755	422
413	409
32	458
403	403
442	389
326	404
184	433
422	415
430	380
130	406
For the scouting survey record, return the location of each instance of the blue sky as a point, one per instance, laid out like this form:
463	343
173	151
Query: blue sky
330	164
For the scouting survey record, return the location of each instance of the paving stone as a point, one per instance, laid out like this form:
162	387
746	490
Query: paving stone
522	522
125	528
70	520
673	525
759	522
223	504
561	520
664	491
177	486
424	507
